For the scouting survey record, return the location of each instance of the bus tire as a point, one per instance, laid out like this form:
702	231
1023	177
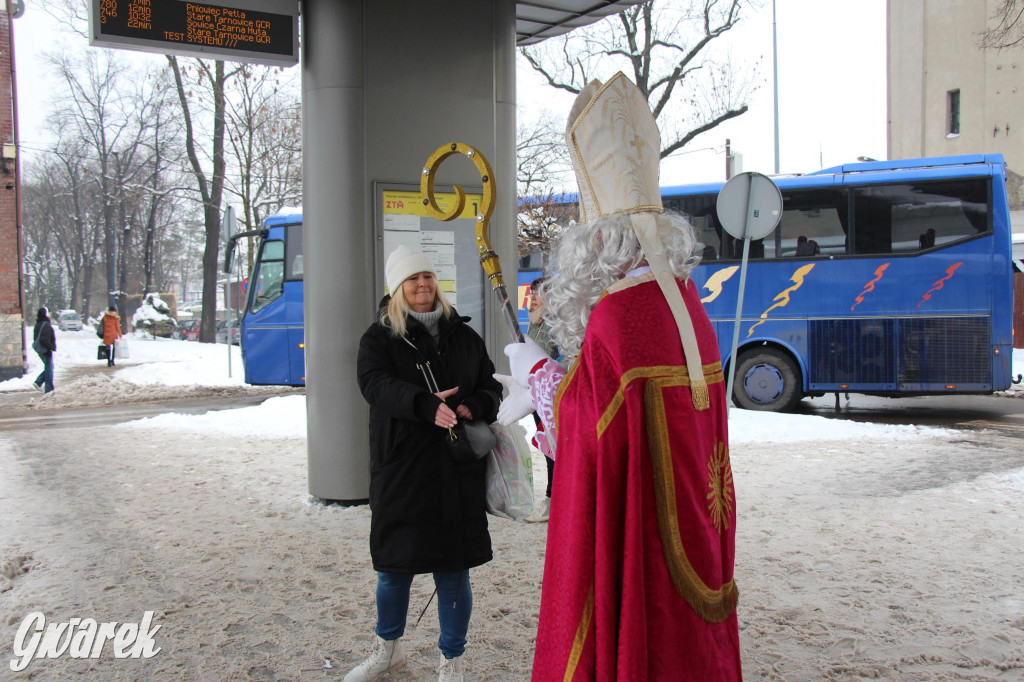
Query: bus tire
768	380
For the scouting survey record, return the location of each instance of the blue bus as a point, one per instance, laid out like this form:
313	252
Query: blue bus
273	338
890	278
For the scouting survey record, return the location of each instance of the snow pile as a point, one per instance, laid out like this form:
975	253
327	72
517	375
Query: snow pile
153	311
747	426
285	417
163	367
279	417
96	390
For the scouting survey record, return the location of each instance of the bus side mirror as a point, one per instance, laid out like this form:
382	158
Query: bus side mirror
229	256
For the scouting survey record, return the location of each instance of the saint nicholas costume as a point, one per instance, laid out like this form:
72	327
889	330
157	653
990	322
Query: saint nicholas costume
638	575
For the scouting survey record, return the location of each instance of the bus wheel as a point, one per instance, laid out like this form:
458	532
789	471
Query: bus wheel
767	380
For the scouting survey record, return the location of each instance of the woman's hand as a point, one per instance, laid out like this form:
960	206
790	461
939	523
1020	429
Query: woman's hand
445	417
464	412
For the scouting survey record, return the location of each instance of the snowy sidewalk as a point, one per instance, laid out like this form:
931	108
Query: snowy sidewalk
883	552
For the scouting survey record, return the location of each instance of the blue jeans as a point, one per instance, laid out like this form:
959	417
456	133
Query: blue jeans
454	606
45	378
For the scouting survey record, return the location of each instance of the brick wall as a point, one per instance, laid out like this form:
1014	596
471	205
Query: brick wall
12	342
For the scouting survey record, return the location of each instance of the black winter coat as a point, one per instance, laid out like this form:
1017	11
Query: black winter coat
44	332
427	511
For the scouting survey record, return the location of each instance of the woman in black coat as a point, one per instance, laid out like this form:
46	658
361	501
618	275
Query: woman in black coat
422	368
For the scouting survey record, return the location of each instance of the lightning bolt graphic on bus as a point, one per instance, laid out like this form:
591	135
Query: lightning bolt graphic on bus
940	283
715	282
870	286
782	299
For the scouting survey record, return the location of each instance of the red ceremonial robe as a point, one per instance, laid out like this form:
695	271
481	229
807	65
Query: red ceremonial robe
638	576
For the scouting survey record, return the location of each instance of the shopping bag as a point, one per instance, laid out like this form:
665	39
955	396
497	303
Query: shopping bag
510	474
121	351
102	352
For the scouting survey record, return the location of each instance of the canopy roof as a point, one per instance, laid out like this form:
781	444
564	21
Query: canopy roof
538	20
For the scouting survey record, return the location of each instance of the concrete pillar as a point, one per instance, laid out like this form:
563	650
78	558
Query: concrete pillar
384	84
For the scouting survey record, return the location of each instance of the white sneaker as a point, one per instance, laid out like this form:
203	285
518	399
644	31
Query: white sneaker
38	387
387	657
450	670
540	512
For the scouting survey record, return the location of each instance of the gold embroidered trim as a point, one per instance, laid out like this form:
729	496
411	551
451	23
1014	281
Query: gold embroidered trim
720	487
582	167
711	605
562	386
699	391
628	282
676	373
581	636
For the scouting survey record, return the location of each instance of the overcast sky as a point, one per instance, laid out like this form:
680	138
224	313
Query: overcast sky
832	97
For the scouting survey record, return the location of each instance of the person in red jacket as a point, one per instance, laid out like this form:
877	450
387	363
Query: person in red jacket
638	574
111	322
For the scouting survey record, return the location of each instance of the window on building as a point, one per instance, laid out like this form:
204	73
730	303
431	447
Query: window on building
953	97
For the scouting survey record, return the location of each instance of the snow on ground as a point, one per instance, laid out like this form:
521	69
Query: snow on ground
278	417
151	361
157	362
864	551
156	369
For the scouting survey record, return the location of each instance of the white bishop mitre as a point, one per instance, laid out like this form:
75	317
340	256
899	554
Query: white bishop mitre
615	148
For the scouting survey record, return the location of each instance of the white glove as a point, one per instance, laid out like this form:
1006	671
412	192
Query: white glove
517	405
522	357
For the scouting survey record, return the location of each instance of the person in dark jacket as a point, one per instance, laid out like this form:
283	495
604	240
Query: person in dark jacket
44	343
422	368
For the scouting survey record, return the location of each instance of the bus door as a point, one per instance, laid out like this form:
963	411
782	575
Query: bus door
266	327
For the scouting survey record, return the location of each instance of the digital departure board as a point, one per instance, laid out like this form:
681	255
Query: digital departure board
260	31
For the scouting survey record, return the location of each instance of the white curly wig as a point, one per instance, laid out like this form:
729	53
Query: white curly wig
592	256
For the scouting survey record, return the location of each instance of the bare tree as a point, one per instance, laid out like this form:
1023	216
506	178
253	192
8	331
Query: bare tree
665	48
542	163
1006	26
265	138
206	83
540	221
541	157
101	110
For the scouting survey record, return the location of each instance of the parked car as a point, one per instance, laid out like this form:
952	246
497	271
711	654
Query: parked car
69	321
187	331
228	330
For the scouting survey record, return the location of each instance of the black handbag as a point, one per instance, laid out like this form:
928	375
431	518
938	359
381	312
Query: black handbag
468	440
103	352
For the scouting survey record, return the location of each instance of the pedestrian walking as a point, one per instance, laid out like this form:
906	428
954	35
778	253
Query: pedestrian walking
111	323
44	343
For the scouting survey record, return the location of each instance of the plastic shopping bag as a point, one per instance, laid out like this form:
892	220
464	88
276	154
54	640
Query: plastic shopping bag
121	351
510	474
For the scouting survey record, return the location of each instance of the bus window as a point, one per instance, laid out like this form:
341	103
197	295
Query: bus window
700	210
293	252
813	223
268	275
908	217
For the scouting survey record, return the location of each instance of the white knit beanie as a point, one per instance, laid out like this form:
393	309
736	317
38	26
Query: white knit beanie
404	263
